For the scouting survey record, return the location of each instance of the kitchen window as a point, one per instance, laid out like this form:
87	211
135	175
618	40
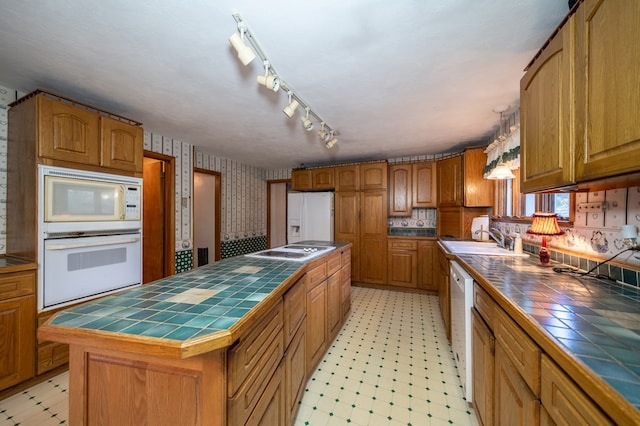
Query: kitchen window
511	205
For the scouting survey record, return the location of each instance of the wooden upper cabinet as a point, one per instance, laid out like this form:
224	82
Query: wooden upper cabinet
301	180
546	117
478	192
67	133
449	181
121	145
373	176
312	179
400	193
347	177
607	89
322	178
424	184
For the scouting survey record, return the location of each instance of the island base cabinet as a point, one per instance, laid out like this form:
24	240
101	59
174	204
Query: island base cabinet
515	404
270	409
106	389
295	374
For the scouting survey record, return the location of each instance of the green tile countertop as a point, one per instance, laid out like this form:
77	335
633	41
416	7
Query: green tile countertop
596	322
191	308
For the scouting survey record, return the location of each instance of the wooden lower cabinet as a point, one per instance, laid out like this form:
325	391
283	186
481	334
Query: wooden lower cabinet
564	402
483	344
50	354
514	404
271	409
316	335
441	275
402	263
334	305
17	340
17	327
426	258
295	373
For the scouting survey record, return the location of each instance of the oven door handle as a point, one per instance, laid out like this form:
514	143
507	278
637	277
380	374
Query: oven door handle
96	244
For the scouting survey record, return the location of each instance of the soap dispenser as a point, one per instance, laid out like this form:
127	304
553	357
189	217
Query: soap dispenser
517	245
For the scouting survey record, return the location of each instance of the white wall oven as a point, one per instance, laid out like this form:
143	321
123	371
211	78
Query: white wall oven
90	235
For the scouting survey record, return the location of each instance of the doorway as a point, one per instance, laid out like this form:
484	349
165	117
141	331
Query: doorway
158	236
206	216
277	213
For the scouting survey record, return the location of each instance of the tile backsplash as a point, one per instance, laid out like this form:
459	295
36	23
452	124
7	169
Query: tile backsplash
420	218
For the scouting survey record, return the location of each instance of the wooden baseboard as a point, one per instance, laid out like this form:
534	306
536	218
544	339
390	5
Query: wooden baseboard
393	288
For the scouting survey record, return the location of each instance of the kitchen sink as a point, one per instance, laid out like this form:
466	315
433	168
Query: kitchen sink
478	247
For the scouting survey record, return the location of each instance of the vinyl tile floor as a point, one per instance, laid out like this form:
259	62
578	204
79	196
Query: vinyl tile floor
391	364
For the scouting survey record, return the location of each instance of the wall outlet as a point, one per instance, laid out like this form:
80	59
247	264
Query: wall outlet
592	207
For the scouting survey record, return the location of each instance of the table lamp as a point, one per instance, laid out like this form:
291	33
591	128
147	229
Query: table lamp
545	224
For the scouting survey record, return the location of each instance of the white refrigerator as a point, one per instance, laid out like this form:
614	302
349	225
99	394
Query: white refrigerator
309	216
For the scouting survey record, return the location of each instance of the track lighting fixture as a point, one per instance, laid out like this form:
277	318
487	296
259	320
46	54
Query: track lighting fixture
306	122
272	81
290	109
245	54
269	80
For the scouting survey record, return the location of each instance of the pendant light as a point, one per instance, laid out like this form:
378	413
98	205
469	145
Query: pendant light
501	171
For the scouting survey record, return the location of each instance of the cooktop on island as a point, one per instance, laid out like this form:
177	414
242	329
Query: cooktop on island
296	252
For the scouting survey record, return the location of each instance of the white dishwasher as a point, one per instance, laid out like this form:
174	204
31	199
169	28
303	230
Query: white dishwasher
461	304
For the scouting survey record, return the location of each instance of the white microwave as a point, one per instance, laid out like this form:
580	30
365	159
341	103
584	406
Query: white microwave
105	201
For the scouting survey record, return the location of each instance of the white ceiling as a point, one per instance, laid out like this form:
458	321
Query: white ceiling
399	78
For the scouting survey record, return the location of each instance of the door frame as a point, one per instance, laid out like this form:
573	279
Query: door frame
217	200
269	183
169	208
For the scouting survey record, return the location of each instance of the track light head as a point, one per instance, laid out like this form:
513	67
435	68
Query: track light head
271	82
245	54
290	109
306	122
330	143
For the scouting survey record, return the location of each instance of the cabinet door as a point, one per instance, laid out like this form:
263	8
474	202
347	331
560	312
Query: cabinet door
67	133
546	99
478	192
345	290
373	237
294	310
449	181
334	306
270	409
607	88
400	191
347	178
301	180
564	401
424	185
426	251
514	404
347	226
483	347
402	268
121	145
316	330
322	178
17	340
373	176
295	373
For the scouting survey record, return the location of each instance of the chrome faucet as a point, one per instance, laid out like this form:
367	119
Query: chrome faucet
504	241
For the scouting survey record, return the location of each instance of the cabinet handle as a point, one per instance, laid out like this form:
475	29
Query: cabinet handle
95	244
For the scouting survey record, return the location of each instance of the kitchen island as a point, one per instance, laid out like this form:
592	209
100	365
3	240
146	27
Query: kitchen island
226	343
549	345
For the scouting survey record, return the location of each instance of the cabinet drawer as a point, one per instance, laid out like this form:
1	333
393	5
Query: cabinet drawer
520	349
402	245
346	257
242	404
17	284
316	275
295	309
249	350
484	304
334	263
565	402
